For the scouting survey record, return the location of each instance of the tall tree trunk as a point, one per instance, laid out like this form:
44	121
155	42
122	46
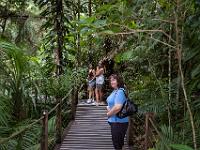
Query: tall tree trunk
18	105
78	35
77	39
90	37
20	36
179	52
60	36
169	79
58	52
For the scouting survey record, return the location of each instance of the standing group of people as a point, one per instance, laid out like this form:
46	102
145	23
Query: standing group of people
96	82
115	101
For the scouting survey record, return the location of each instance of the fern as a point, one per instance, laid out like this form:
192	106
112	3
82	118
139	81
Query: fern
180	147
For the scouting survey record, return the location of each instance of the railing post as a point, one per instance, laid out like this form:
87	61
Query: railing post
73	104
146	131
130	132
44	138
74	101
58	121
76	95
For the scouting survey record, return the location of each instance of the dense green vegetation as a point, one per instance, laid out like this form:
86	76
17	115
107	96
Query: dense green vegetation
46	46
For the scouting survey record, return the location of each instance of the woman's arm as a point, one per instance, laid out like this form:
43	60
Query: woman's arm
97	72
88	76
94	73
119	101
114	110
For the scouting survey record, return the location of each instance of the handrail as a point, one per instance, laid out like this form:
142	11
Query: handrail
66	95
3	140
157	131
54	108
154	126
148	120
21	131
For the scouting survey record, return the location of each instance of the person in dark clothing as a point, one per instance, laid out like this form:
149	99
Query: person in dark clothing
91	83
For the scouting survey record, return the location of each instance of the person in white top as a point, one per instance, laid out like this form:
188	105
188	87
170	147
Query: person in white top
99	83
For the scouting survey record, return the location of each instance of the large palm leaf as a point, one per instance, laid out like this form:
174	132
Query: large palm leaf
14	66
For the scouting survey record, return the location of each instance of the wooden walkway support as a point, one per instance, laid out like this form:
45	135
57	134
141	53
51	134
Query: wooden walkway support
44	138
149	117
89	131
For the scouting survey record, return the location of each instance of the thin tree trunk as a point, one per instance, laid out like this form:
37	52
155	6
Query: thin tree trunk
179	52
18	105
169	81
90	8
169	87
4	25
78	36
89	37
146	131
20	36
73	105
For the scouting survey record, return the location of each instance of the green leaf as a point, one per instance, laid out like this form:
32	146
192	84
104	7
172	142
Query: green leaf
88	20
118	58
85	30
195	71
71	57
132	25
180	147
127	55
104	8
100	23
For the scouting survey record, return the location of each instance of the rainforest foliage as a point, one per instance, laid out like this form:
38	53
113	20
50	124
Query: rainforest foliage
46	46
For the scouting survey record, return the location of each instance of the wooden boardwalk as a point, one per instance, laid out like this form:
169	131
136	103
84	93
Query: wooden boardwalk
89	131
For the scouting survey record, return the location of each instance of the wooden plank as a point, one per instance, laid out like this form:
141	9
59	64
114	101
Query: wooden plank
89	131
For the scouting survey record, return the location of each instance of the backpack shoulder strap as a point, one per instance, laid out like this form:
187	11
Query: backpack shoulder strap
124	92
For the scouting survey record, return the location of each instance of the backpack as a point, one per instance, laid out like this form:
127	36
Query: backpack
128	109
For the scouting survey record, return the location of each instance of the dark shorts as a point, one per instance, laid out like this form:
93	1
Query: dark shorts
99	86
91	84
118	132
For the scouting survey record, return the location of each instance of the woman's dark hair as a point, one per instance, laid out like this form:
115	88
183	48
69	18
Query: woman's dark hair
91	66
120	82
100	65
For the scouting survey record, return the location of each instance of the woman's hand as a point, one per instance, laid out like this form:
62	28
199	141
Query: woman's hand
114	110
108	109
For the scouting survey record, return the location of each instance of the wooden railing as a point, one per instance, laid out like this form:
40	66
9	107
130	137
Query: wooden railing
4	140
147	134
44	120
150	127
149	124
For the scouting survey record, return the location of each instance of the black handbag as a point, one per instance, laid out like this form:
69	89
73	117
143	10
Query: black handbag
128	109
